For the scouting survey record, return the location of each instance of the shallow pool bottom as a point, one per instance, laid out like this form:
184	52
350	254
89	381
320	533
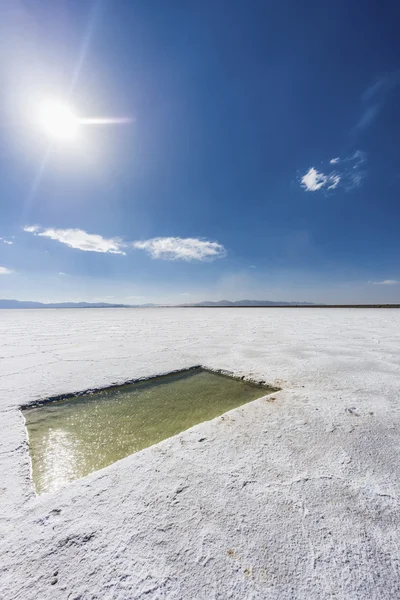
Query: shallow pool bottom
70	438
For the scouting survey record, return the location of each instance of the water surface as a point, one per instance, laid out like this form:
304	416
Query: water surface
70	438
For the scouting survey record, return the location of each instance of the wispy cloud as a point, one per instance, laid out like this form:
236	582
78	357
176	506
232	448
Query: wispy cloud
359	157
333	181
372	102
354	172
368	117
315	180
6	241
5	271
175	248
165	248
387	282
79	239
348	174
374	98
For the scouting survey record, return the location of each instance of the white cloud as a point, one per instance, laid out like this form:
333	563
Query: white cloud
6	241
62	273
335	180
314	180
387	282
5	271
79	239
175	248
347	174
166	248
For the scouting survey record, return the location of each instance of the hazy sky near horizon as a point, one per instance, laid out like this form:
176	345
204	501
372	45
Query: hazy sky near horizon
239	150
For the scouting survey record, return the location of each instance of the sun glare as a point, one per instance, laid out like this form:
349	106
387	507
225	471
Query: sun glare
58	120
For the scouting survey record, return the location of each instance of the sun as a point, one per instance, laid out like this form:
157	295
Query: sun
58	120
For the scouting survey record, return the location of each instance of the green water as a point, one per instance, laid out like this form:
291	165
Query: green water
71	438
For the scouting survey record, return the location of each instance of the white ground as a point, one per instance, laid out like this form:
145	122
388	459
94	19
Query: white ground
296	498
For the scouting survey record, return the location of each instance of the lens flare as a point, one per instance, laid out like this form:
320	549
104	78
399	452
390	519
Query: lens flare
58	120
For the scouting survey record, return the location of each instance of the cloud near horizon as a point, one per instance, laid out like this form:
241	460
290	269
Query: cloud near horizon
165	248
176	248
5	271
79	239
387	282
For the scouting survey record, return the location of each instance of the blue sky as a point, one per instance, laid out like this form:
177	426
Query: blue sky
251	151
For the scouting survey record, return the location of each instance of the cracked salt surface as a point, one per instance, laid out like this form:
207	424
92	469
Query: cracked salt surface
294	498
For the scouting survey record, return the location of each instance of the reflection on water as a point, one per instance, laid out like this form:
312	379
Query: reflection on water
71	438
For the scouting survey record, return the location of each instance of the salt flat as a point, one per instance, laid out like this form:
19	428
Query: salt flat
292	498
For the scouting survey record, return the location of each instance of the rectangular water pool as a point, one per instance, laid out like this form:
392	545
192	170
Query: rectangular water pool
73	437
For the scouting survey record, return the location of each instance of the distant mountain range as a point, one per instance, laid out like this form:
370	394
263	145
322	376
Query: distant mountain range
205	304
221	303
249	303
27	304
